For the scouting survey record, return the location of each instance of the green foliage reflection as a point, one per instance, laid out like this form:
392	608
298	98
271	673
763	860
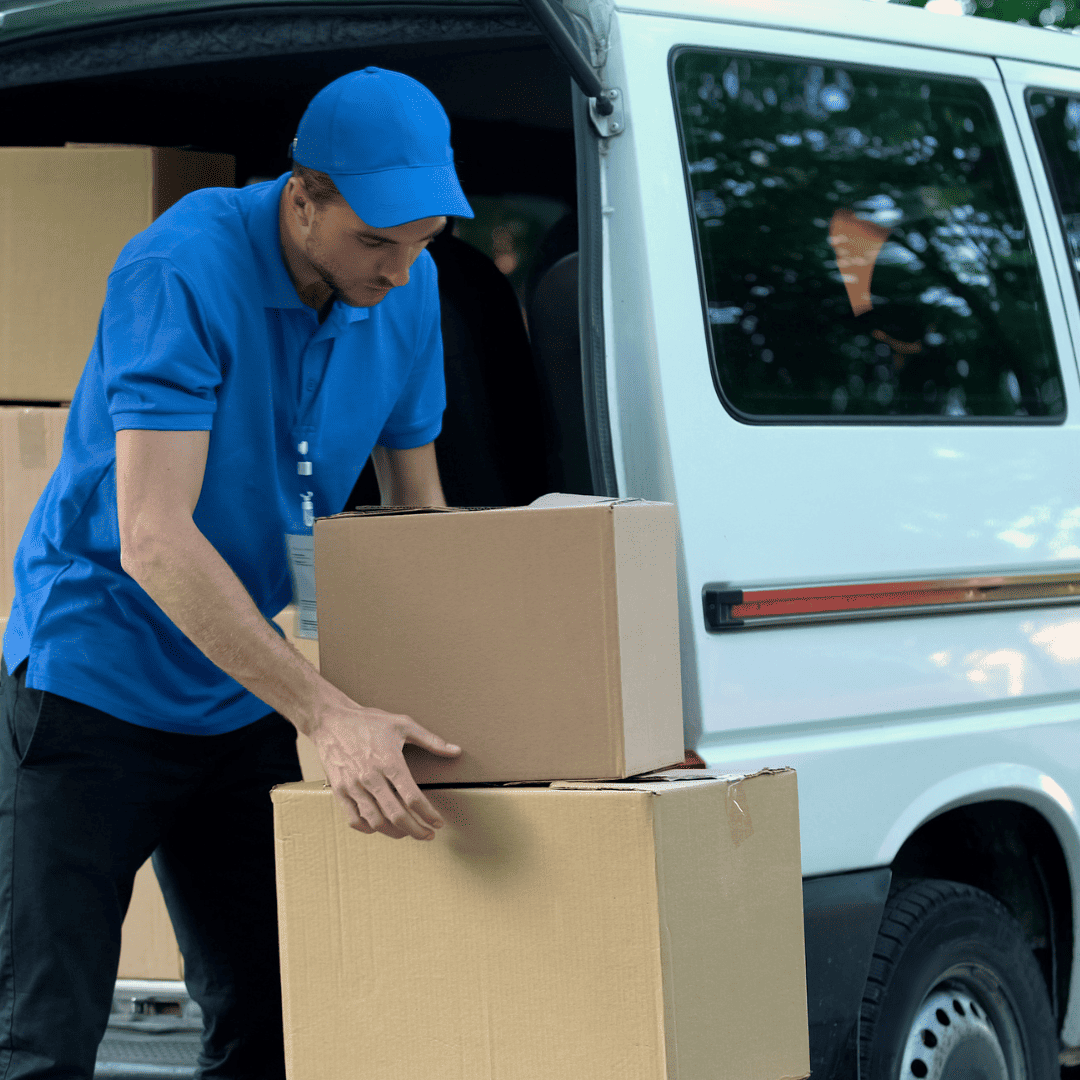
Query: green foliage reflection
1057	123
863	247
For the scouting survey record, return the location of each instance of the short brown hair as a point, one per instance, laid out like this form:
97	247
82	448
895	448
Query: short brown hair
320	188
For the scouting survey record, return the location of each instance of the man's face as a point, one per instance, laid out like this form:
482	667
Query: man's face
360	264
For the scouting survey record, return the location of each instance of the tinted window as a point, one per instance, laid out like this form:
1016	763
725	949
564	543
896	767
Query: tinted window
863	250
1057	122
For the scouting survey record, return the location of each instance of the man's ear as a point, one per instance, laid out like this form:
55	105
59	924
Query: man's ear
298	199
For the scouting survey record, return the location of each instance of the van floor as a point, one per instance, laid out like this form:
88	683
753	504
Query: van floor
136	1055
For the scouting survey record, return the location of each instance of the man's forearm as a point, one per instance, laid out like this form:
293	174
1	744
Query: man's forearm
417	495
190	581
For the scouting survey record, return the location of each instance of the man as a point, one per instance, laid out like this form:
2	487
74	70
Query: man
255	347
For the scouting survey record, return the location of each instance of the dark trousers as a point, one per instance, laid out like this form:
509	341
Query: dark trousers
84	801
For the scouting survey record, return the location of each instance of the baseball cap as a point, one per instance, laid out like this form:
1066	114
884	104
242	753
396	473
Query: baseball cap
384	140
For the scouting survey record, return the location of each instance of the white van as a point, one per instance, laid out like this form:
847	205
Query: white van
822	295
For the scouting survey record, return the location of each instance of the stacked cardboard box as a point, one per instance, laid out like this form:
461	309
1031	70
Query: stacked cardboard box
647	930
602	925
65	214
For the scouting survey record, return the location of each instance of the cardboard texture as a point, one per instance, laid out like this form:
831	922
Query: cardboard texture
643	931
30	443
543	640
65	213
148	948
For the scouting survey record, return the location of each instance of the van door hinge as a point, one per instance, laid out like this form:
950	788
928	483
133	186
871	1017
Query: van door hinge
582	45
611	123
718	603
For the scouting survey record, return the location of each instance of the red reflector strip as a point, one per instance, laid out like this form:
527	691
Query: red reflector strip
881	596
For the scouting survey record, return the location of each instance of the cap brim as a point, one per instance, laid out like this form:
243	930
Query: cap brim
396	196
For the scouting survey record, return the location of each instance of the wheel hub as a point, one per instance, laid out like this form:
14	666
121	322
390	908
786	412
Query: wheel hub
952	1039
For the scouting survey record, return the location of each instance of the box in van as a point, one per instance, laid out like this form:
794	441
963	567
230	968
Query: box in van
65	213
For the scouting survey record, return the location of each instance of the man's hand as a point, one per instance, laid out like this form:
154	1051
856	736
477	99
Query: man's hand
360	750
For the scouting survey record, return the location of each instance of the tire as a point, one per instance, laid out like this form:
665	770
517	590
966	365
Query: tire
954	992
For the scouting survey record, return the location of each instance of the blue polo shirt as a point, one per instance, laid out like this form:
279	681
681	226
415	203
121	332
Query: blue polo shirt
202	330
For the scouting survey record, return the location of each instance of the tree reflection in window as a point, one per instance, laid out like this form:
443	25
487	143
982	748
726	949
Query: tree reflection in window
863	249
1057	123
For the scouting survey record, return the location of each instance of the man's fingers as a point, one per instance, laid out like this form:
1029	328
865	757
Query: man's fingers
372	815
397	814
415	800
352	813
420	736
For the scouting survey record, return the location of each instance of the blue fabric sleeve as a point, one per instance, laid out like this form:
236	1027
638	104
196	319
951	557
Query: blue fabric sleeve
159	366
417	417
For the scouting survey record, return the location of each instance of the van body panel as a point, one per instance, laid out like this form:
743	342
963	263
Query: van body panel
934	764
915	500
771	677
963	708
852	22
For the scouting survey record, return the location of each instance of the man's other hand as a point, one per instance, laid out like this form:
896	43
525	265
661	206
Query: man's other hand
360	749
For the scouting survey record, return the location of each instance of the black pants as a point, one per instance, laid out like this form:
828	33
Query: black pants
84	801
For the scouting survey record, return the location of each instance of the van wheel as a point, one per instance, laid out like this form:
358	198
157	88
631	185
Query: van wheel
954	992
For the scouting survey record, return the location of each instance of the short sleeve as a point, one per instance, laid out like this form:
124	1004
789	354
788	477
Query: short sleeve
159	366
416	418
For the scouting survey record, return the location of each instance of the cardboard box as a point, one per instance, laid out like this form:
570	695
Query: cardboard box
30	443
65	213
543	640
618	931
148	948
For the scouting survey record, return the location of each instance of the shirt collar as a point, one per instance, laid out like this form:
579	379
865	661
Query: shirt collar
264	231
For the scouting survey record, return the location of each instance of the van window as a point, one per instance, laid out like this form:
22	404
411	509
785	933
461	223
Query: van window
862	248
1057	123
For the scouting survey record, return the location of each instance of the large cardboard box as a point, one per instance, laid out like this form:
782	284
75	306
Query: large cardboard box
30	443
65	213
620	931
543	640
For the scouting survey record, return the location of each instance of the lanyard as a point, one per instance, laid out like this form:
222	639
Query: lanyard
303	468
301	556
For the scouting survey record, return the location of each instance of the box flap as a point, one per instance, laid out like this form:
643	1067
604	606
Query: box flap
693	774
383	511
559	498
646	781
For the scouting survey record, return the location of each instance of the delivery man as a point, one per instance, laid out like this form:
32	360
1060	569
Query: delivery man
255	347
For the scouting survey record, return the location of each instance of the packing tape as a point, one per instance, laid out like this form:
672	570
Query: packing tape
32	453
742	828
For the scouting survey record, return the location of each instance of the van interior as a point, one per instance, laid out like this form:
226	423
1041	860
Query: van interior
237	81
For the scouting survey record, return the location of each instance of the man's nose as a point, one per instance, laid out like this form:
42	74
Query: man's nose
395	268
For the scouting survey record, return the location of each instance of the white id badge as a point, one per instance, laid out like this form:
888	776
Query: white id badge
302	566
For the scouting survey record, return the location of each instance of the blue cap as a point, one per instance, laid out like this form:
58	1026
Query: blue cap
384	140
